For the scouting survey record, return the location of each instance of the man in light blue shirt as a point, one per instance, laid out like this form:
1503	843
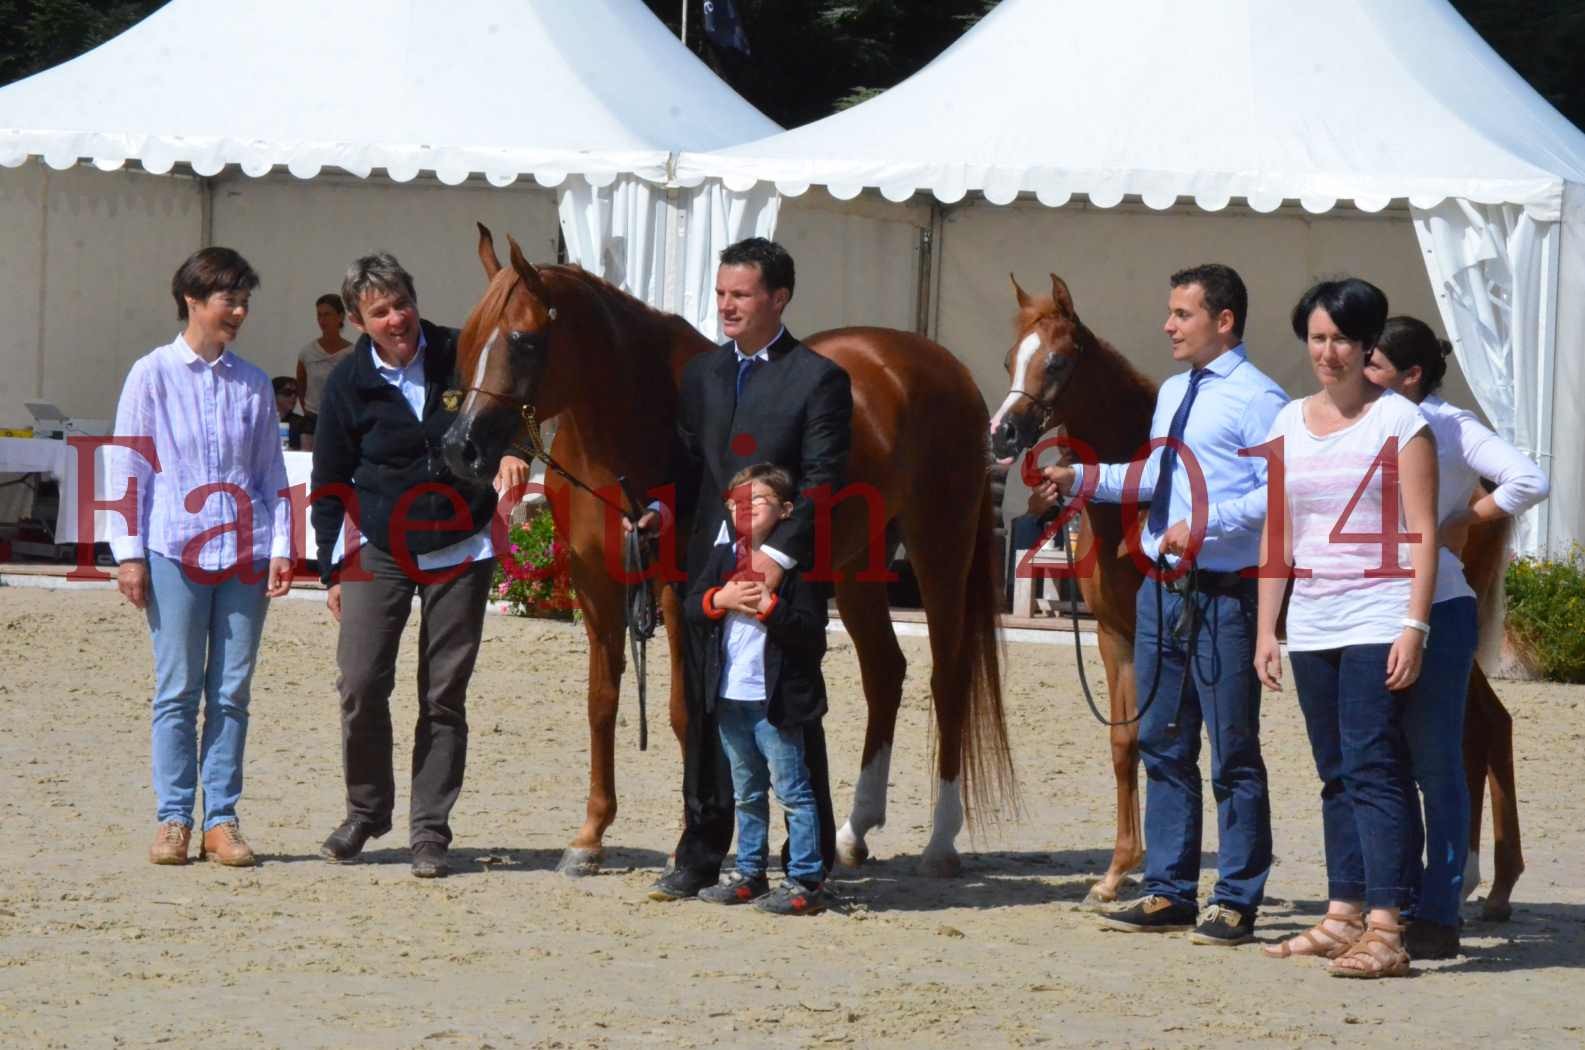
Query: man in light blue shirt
1221	405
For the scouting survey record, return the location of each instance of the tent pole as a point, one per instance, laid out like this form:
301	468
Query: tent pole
44	283
683	35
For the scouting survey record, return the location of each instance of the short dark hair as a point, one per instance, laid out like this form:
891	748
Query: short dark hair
775	478
774	262
282	382
1358	308
1409	341
332	300
208	271
1223	290
379	273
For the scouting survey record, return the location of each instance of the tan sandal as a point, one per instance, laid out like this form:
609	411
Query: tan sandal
1373	955
1319	941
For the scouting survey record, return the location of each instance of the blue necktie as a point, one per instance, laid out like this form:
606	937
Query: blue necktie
1162	496
744	367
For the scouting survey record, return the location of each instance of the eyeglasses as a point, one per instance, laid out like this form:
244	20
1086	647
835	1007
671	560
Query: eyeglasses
754	501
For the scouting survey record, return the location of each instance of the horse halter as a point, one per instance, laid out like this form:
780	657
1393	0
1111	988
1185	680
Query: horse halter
1048	406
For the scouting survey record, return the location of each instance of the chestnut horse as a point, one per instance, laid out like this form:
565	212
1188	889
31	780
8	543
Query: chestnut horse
1063	375
557	342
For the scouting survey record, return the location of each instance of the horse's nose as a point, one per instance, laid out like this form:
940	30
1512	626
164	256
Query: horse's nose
1004	440
464	456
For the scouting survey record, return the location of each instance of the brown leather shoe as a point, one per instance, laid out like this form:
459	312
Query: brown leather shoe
224	844
170	843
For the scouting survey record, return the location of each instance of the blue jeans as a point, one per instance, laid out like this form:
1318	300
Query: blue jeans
206	637
1433	725
1222	694
762	756
1367	799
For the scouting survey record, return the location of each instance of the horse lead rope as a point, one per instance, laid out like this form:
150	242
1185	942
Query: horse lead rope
640	615
1078	649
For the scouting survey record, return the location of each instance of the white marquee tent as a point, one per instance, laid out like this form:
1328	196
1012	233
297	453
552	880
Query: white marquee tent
1286	136
305	134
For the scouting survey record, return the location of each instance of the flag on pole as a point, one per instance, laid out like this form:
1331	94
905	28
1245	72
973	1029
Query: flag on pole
723	27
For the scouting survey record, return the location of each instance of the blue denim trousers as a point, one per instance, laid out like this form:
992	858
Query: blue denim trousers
1215	688
1367	797
763	757
206	636
1433	725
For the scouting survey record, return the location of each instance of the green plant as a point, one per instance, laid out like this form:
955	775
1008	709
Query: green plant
1546	613
531	576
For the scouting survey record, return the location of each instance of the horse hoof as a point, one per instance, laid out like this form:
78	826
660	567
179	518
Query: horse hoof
851	850
580	863
941	865
1102	896
1495	911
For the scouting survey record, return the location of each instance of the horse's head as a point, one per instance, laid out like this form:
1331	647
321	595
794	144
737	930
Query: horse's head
503	356
1040	363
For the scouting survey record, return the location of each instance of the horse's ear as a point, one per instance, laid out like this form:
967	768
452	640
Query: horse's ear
1062	297
487	256
1023	297
525	269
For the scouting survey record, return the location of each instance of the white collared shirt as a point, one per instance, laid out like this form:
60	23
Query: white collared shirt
213	424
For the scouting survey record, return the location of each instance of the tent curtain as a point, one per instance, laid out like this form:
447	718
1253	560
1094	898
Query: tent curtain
1495	272
661	244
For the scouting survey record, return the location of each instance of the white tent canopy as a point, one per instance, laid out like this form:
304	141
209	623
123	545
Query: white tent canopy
1262	102
500	88
408	99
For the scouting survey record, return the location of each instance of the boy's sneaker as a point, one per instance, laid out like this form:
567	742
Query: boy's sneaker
1151	914
1222	925
793	898
739	889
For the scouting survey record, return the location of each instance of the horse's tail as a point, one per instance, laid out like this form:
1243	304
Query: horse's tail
989	784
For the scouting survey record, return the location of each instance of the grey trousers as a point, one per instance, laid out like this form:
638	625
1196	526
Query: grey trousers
373	614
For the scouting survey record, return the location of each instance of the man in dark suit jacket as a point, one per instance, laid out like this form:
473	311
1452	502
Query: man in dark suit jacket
763	397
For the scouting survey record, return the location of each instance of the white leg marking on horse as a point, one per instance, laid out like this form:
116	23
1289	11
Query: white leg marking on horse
1026	350
941	854
483	363
1471	873
869	808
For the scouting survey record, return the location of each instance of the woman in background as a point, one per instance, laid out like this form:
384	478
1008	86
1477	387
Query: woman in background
316	360
1410	360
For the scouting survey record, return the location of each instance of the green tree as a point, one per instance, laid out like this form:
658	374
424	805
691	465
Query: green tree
38	34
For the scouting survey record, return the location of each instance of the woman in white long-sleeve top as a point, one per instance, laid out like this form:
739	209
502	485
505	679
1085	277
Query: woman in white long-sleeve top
210	546
1410	360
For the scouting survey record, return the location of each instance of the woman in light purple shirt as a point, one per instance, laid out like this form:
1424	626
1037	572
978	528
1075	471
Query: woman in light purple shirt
198	435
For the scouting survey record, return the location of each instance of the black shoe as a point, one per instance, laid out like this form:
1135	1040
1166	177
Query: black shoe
739	889
347	841
1431	940
1151	914
429	861
793	898
679	884
1222	925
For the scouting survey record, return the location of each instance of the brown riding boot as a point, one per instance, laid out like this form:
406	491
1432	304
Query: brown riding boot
224	844
170	843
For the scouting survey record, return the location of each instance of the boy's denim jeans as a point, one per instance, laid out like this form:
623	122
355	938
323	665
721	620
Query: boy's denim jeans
763	756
